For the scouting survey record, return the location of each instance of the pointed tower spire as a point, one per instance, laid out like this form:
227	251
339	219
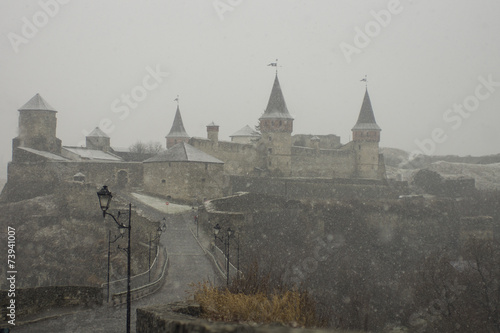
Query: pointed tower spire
366	119
366	128
177	132
276	127
276	107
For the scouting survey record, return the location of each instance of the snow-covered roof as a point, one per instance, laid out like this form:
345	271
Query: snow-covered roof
37	103
121	149
183	152
245	131
45	154
92	154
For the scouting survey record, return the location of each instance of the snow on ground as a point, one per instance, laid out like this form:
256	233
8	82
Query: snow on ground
487	176
160	204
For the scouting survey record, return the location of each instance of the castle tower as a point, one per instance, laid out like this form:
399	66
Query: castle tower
276	126
366	138
177	133
37	127
213	132
98	140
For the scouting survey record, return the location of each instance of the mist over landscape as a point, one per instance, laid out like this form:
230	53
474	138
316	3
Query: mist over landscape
301	164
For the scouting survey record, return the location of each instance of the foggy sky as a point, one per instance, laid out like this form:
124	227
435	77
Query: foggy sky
422	60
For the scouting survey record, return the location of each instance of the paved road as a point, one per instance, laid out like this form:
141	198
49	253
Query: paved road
188	264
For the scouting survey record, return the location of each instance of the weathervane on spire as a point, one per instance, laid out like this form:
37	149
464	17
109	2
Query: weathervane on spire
365	80
274	64
177	100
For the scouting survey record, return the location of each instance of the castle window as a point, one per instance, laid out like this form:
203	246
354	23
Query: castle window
206	166
270	139
203	180
163	181
270	150
169	164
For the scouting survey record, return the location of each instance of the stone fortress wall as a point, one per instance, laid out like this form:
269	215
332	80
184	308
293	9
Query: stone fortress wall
39	161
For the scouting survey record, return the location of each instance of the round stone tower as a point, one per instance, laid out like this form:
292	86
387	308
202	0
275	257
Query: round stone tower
37	127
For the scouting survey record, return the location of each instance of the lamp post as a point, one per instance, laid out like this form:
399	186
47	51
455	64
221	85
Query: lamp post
157	239
105	197
109	252
229	233
225	240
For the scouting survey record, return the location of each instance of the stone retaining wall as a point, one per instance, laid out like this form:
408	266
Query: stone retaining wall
325	188
33	300
184	318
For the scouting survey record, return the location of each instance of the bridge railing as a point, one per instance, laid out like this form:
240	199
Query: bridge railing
144	290
136	281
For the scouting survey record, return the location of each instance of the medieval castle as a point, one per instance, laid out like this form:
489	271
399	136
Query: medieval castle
193	167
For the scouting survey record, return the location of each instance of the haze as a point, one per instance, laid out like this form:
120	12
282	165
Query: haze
423	59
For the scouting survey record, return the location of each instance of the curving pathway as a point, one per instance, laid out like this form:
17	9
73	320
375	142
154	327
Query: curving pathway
188	264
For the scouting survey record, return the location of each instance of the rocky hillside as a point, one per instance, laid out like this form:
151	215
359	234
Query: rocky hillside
484	169
61	239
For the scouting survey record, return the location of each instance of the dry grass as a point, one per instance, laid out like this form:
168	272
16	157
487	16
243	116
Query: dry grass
255	299
290	307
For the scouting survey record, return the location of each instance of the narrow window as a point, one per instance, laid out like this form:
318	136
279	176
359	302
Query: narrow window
163	181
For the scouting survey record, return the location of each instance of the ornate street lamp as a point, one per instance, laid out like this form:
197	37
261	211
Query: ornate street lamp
105	197
216	231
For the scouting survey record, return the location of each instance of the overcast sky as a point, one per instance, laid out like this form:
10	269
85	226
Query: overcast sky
93	61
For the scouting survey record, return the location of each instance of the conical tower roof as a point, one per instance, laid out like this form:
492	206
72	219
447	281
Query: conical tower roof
276	107
37	103
366	119
98	133
177	130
